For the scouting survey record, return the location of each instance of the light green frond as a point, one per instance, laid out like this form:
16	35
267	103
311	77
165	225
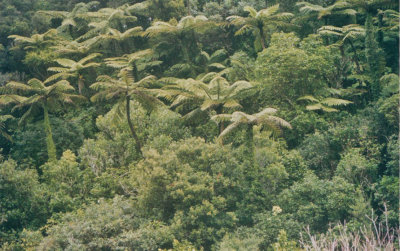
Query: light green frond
68	21
159	28
29	101
314	107
136	31
283	16
102	86
58	69
89	57
65	62
274	120
265	13
266	112
140	55
100	96
308	98
307	8
335	102
219	66
231	103
328	109
7	99
242	117
208	104
54	14
113	94
236	20
146	81
25	116
229	129
252	12
208	77
57	76
105	78
147	101
348	12
61	86
91	65
16	86
18	38
239	86
244	29
221	118
36	83
139	8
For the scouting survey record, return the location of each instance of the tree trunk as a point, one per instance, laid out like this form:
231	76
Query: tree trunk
51	147
81	84
188	7
356	59
134	135
249	141
262	37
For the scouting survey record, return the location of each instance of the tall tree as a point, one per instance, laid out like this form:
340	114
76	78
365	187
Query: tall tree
71	20
216	96
374	57
124	89
37	96
179	38
347	34
260	22
264	118
36	41
323	13
73	69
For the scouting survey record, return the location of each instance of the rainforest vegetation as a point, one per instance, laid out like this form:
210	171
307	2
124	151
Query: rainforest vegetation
199	124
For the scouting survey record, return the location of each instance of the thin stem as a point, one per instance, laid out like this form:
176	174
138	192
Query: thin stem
134	135
51	147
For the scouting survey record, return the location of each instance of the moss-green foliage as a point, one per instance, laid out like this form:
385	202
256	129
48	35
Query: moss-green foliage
23	200
201	125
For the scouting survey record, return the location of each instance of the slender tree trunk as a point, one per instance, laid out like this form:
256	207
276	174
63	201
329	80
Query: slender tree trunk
250	141
218	110
262	37
188	7
134	135
51	147
81	84
356	59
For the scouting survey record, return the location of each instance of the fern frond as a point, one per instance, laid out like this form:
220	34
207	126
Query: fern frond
308	98
89	57
12	85
335	102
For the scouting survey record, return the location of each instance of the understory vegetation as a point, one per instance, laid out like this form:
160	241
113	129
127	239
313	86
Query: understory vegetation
199	125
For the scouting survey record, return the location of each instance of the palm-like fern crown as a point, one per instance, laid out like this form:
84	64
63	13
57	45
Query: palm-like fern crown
265	118
140	60
218	92
35	94
71	68
36	41
71	18
159	28
350	31
71	47
126	86
391	19
109	23
324	104
338	8
256	20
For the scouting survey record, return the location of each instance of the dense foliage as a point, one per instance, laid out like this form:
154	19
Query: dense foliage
197	124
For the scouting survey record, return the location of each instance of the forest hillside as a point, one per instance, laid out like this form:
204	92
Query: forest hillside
199	125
